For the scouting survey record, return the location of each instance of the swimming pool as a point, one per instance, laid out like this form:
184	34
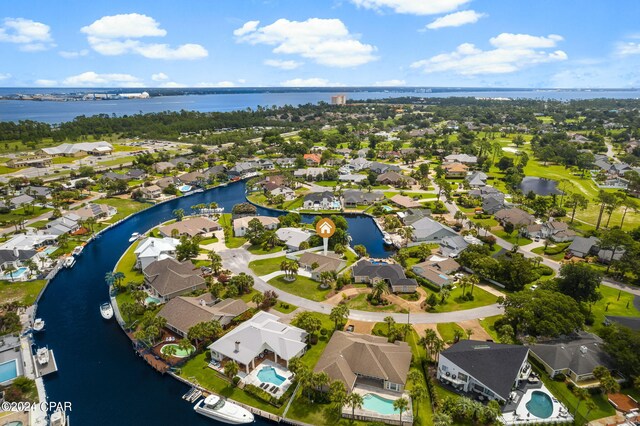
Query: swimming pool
149	300
373	402
50	250
180	353
185	188
17	274
8	371
269	375
540	405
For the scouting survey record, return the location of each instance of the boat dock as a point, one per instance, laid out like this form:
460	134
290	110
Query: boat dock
193	395
47	368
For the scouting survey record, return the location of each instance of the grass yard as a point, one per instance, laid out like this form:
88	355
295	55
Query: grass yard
125	207
256	249
266	266
5	170
302	286
19	214
361	303
489	325
285	308
22	292
610	305
455	303
558	256
117	161
230	240
512	238
126	265
318	414
447	331
422	408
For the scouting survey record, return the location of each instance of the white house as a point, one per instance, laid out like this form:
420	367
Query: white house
260	336
152	249
321	201
293	237
241	224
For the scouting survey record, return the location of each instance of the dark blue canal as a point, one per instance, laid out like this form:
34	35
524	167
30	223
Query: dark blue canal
99	373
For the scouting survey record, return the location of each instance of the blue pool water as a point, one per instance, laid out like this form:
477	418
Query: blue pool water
50	250
18	273
184	188
540	405
8	371
269	375
373	402
150	299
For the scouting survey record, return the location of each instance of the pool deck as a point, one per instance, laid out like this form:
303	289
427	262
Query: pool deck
252	377
372	416
516	413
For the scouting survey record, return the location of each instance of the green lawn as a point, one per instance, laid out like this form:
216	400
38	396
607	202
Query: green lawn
257	249
196	370
125	207
557	257
65	160
19	214
266	266
447	330
127	263
230	240
512	238
285	308
314	413
422	408
24	293
4	169
361	303
208	241
489	325
455	303
302	286
615	307
117	161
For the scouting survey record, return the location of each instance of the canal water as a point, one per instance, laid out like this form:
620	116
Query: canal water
99	373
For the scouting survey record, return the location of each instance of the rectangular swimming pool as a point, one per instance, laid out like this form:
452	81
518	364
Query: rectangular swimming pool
17	274
8	371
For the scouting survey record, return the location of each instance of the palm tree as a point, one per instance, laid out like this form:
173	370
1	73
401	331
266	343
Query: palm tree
457	334
417	393
118	276
184	345
390	323
379	288
168	351
178	214
90	222
442	419
338	314
10	268
31	264
581	394
271	240
401	404
231	369
407	233
216	262
354	400
257	298
326	278
284	266
469	332
444	294
109	278
293	268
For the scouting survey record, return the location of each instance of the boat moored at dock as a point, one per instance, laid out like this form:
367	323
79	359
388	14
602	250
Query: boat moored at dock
106	310
224	411
38	324
69	261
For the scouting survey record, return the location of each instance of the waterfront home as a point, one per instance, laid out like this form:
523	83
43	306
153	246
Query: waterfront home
192	179
437	270
553	229
395	179
151	192
452	246
63	225
429	230
168	278
191	227
405	202
216	172
380	168
477	179
11	359
262	336
361	359
312	173
16	259
488	370
366	271
321	201
79	149
163	167
349	177
575	356
183	312
354	198
515	216
312	159
29	241
461	158
241	224
288	193
455	170
95	211
317	263
151	249
293	237
285	163
412	215
242	169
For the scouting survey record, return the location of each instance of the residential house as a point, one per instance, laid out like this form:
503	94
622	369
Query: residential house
321	201
285	163
241	224
359	163
461	158
218	171
488	369
394	179
136	174
318	263
242	169
95	211
116	176
260	335
191	227
412	215
21	200
312	159
380	168
365	271
288	193
185	161
312	173
152	249
515	216
349	177
429	230
163	167
15	258
492	204
477	179
437	270
293	237
455	170
372	360
354	198
182	312
452	246
193	179
37	191
575	356
168	278
405	202
28	241
583	247
151	192
553	229
65	224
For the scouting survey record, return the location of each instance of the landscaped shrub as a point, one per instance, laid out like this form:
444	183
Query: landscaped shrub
560	377
236	380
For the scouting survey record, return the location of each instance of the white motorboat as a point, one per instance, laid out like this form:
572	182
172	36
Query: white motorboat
59	418
42	355
77	250
106	310
223	411
134	237
69	261
38	324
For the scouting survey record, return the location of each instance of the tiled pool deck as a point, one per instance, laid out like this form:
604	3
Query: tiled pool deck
368	415
252	377
516	412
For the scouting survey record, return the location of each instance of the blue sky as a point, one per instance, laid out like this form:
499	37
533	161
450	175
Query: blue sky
236	43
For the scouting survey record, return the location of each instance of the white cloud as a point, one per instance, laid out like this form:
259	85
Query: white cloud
218	84
119	34
512	52
31	36
242	80
283	65
4	76
456	19
627	48
309	82
412	7
390	83
93	79
324	41
171	84
45	82
70	54
159	77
